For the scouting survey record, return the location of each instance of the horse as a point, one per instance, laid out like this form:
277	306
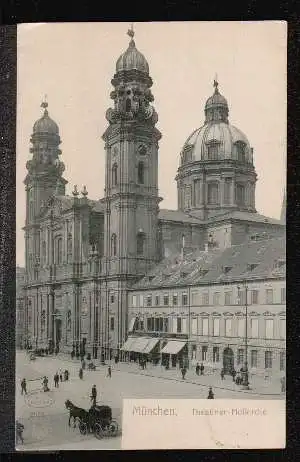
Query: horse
76	412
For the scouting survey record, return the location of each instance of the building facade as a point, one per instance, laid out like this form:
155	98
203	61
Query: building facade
83	255
209	305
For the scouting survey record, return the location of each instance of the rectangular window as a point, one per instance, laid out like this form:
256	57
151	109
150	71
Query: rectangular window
149	300
134	300
269	296
149	324
228	296
241	297
254	297
241	327
204	326
184	326
269	323
268	359
112	298
283	295
216	298
212	151
194	298
179	325
282	328
174	325
166	324
112	323
228	327
175	299
194	326
254	328
166	300
240	356
184	299
204	352
216	354
156	324
156	300
253	358
216	327
282	361
205	298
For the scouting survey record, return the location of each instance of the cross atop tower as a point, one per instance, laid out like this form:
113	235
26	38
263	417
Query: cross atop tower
130	31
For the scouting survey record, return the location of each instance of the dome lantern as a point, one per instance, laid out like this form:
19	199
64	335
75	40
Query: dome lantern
216	107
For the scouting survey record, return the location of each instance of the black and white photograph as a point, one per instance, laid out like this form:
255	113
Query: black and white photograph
150	222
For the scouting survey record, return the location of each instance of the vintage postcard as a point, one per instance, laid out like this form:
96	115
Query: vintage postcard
151	264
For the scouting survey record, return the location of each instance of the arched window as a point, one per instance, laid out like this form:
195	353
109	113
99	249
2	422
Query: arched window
142	150
141	173
140	243
212	193
115	174
113	245
212	151
240	148
128	105
240	194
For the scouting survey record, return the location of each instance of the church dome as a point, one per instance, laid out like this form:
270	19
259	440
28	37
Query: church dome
217	139
45	125
132	58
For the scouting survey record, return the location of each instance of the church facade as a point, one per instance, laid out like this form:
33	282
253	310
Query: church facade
84	256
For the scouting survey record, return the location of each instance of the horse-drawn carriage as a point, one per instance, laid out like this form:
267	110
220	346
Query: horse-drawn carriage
97	420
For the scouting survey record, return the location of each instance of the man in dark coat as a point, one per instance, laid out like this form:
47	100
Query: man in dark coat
197	368
94	395
23	387
210	394
201	369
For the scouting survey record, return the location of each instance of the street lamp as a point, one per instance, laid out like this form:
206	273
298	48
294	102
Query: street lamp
245	373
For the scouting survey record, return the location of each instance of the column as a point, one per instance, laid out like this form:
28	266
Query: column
233	192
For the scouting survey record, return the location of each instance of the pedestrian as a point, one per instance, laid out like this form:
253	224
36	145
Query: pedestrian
94	395
19	432
202	369
109	372
80	373
233	373
45	383
23	387
60	375
197	368
66	374
222	374
72	354
183	372
210	394
83	364
56	380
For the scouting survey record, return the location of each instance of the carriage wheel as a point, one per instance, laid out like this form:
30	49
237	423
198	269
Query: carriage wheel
83	428
98	431
113	427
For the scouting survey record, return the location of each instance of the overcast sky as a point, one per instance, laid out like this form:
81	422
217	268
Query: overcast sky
73	63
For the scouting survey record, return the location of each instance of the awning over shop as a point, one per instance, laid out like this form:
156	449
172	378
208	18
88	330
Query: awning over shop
128	344
173	347
152	342
139	344
131	324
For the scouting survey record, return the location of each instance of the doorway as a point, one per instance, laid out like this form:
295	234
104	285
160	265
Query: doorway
228	361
